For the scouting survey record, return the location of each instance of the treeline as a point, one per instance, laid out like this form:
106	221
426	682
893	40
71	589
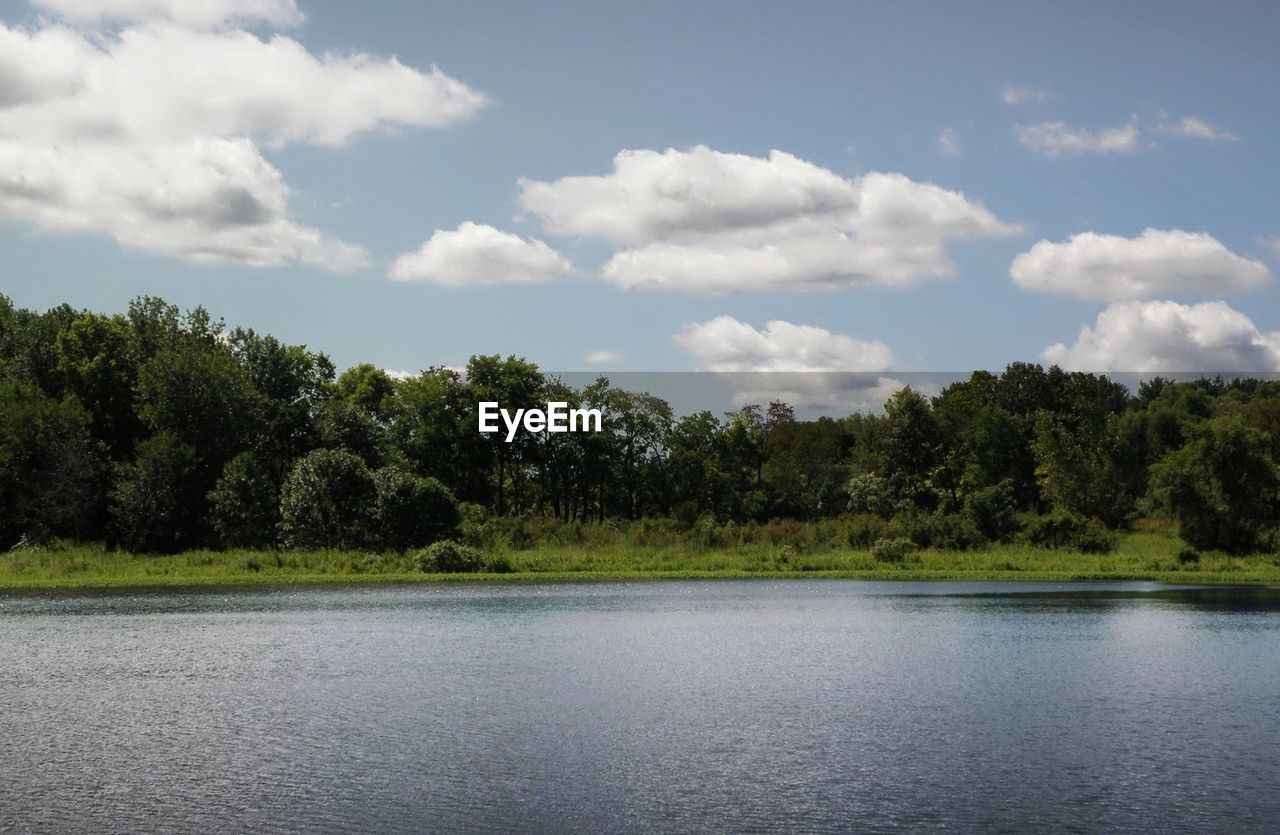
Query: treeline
158	431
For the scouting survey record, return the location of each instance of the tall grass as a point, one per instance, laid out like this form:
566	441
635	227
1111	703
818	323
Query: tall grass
1150	552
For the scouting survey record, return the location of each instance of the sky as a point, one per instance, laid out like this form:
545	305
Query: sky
731	186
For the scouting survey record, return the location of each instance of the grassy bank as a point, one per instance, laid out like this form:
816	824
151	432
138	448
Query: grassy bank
1140	556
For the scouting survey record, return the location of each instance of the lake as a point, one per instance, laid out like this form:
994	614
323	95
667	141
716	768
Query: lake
654	706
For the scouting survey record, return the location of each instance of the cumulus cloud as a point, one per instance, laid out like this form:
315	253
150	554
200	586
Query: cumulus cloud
1191	127
1164	336
949	142
475	254
1155	263
151	134
602	357
806	366
206	200
701	220
1022	95
1054	139
195	13
725	344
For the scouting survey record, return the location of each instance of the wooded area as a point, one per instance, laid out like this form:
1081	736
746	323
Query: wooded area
160	431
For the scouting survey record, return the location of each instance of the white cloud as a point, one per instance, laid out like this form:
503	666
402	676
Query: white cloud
1164	336
151	134
156	84
475	254
205	200
602	357
806	366
1156	263
725	344
195	13
949	142
1055	139
705	221
1191	127
399	373
1022	95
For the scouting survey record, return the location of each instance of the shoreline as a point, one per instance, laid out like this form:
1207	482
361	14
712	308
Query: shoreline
282	582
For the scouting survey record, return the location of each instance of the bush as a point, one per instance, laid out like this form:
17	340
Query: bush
243	505
412	511
450	557
1188	555
869	494
993	510
327	501
151	506
954	532
893	550
1221	486
864	530
1069	530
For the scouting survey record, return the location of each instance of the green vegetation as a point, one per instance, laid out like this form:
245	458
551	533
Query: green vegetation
162	432
1150	552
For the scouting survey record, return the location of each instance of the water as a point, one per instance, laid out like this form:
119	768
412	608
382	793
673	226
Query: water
722	705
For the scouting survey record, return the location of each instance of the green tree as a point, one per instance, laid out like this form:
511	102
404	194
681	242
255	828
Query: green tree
412	511
1221	487
244	504
51	470
154	508
327	502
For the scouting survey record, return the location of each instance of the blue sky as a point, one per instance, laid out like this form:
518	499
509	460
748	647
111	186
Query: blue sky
852	88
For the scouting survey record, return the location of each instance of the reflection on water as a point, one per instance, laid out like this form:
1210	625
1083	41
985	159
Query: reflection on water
818	705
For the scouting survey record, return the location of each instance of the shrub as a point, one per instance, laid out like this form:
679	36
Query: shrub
1188	555
954	532
412	511
499	565
327	501
1070	530
450	557
893	550
864	529
243	506
993	510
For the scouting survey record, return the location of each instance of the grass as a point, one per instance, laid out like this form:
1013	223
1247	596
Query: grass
1146	554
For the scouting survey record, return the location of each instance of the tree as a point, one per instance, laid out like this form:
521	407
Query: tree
1078	472
97	359
244	505
51	470
1221	487
412	511
911	448
199	393
327	502
153	506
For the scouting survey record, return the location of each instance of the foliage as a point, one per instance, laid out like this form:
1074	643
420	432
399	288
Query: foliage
1069	530
893	550
450	557
231	438
412	511
244	505
327	501
154	508
1221	487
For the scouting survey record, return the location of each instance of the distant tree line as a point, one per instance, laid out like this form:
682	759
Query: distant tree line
158	431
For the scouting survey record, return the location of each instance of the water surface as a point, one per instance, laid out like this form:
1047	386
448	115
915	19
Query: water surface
657	706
